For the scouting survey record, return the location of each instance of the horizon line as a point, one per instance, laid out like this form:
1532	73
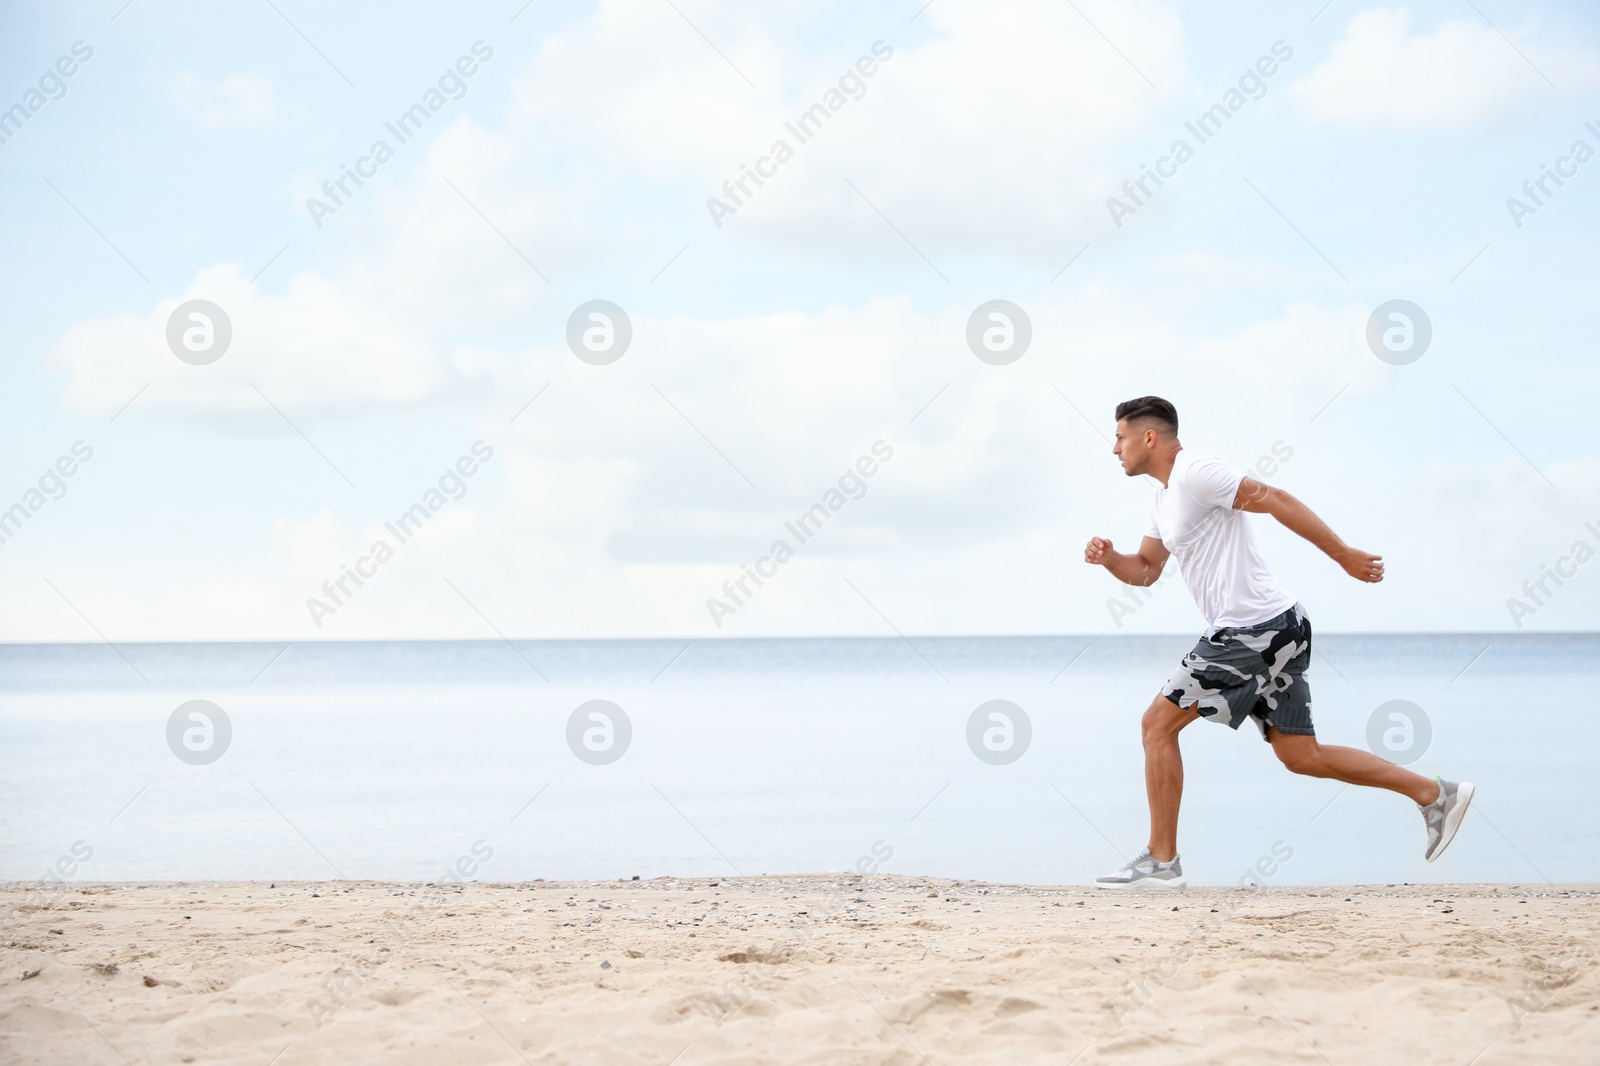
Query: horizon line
1186	634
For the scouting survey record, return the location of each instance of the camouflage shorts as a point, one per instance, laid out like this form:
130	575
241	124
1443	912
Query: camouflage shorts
1256	672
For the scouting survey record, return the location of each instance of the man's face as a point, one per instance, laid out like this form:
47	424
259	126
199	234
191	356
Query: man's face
1134	446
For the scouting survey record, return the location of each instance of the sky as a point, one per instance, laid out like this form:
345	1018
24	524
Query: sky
415	342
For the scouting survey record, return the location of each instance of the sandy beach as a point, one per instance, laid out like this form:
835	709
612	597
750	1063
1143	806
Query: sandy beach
818	969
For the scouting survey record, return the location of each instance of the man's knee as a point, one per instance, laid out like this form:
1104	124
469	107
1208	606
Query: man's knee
1299	754
1163	719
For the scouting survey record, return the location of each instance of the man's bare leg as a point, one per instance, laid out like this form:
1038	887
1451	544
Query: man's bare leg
1304	755
1163	773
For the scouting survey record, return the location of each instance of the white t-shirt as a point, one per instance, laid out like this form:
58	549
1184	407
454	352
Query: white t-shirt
1195	518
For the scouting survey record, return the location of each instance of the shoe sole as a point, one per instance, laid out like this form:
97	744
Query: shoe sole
1452	819
1145	882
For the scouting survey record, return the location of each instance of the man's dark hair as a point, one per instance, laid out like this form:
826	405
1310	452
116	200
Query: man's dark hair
1152	408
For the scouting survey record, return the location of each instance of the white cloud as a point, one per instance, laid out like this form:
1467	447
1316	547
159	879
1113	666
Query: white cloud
319	345
238	100
1462	73
377	332
980	137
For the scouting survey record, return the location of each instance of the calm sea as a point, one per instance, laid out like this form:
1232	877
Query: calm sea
403	760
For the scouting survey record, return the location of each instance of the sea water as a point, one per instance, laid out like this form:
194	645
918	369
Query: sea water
421	760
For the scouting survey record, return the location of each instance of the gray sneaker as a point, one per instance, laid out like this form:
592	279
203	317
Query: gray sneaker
1145	872
1444	815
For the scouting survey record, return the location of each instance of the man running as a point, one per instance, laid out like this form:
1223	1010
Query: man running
1251	664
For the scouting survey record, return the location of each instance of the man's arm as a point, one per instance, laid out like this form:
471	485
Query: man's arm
1298	518
1140	569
